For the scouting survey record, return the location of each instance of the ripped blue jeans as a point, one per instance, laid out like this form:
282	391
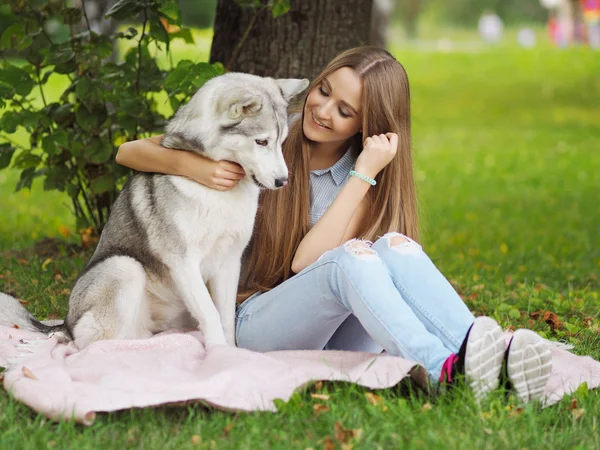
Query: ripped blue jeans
361	297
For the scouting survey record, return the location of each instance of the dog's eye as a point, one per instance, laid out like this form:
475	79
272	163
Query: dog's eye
262	142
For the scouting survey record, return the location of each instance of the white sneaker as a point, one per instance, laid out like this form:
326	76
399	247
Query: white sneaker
528	365
482	355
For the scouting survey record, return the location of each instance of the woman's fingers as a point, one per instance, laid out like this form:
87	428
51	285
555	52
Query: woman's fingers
232	167
393	137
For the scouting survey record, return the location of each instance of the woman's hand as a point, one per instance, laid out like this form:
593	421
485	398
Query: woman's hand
219	175
377	152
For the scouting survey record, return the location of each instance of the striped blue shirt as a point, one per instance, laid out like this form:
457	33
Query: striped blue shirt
326	184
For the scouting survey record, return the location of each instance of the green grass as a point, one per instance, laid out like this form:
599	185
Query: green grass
507	169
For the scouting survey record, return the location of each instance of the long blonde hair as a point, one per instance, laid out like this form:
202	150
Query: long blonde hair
283	216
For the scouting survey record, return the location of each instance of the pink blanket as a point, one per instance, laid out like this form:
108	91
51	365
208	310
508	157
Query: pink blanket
61	382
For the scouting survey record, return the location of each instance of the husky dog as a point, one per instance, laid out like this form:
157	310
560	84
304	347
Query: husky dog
170	253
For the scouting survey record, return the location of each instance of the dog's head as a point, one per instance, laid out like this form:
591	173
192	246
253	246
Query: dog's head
242	118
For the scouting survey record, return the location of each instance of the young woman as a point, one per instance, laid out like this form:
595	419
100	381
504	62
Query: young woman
313	278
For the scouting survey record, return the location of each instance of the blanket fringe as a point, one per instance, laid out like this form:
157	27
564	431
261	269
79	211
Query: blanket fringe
560	345
25	349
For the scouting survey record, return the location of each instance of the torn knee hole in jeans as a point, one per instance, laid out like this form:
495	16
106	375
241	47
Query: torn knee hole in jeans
400	242
360	248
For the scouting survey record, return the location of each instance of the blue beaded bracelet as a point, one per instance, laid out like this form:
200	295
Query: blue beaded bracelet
369	180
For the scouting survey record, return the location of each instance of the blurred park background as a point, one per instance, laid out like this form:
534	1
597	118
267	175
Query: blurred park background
505	98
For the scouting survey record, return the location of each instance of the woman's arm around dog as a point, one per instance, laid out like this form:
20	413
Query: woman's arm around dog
147	155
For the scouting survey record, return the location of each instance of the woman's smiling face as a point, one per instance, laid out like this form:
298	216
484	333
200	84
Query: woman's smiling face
332	110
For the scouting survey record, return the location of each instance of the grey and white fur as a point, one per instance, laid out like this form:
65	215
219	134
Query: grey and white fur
170	253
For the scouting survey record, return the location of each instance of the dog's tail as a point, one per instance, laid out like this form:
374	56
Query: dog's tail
13	314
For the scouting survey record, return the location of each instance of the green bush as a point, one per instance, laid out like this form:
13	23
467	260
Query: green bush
73	141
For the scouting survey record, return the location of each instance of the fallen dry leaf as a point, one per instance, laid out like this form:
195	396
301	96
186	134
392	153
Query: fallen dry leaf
488	431
15	326
514	412
23	262
227	429
64	231
23	302
195	439
320	396
373	399
318	385
88	238
319	408
46	262
577	413
573	404
28	373
552	319
427	407
328	444
344	435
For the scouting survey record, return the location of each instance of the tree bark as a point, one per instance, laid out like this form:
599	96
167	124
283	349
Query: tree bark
297	44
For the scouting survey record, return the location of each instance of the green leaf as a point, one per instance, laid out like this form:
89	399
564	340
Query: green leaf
9	121
48	145
514	313
582	390
12	36
6	153
72	16
27	177
89	120
6	90
59	54
56	177
170	10
99	151
17	78
185	34
124	9
82	88
158	31
130	106
26	159
61	138
279	8
72	190
102	184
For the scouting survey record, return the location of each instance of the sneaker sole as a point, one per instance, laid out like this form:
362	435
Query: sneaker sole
529	365
484	356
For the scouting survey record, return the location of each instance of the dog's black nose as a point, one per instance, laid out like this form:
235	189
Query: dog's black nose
280	182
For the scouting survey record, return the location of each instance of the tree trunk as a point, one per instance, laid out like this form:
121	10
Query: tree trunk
297	44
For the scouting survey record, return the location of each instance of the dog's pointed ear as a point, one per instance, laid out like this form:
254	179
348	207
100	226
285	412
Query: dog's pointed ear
290	87
238	103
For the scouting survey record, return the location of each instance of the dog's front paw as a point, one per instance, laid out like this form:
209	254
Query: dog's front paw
231	340
214	338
